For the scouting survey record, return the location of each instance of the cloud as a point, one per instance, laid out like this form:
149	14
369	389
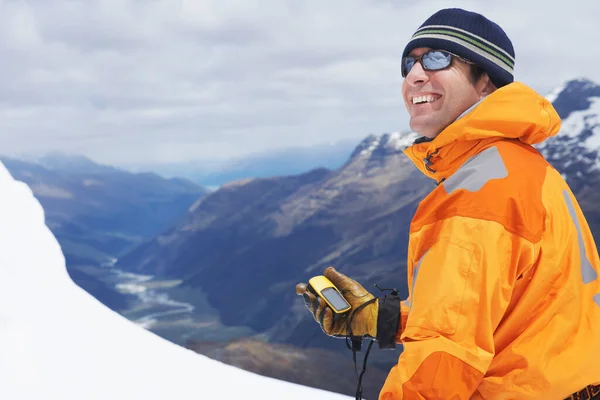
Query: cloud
131	81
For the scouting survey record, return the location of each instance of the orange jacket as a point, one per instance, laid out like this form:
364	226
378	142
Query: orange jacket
504	294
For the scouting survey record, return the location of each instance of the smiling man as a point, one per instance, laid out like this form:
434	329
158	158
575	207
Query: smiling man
434	101
504	294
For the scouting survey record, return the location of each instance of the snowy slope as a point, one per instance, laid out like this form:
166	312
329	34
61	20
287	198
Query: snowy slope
58	342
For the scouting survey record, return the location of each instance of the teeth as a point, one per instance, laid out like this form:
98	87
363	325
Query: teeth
424	99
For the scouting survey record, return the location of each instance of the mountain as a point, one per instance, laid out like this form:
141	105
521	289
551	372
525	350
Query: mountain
98	212
574	95
278	162
575	150
247	244
72	164
58	342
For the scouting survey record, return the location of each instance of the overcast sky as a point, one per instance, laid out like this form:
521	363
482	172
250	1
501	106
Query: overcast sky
137	81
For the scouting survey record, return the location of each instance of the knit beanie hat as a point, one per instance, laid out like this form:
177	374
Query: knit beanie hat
471	36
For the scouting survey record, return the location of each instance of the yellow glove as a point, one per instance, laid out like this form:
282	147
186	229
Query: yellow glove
358	322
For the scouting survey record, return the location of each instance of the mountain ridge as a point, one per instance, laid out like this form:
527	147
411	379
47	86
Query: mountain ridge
279	231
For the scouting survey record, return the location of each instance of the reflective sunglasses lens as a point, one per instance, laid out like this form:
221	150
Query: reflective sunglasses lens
407	64
436	60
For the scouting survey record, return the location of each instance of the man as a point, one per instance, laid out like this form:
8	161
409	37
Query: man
504	294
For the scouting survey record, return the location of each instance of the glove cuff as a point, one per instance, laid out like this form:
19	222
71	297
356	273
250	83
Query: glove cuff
388	319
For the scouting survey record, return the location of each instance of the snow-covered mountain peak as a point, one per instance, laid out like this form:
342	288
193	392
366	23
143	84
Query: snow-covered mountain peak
400	141
573	95
575	149
385	144
587	120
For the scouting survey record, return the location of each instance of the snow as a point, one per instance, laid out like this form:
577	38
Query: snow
372	146
574	124
552	96
579	120
402	140
395	140
58	342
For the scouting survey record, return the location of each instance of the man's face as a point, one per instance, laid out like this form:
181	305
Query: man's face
449	93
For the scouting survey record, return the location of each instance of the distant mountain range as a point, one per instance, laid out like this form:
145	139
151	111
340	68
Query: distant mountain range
99	212
279	162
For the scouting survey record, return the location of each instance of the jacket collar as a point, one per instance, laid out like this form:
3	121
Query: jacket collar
514	111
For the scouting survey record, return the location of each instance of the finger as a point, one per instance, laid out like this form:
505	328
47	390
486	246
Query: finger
320	305
326	320
311	289
300	289
337	278
307	301
343	283
312	303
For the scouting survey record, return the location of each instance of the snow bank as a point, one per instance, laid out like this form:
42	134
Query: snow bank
58	342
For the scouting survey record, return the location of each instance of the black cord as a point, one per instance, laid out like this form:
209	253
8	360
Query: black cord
355	346
394	291
364	369
356	342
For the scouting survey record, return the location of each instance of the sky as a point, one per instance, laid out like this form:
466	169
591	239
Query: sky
58	342
128	82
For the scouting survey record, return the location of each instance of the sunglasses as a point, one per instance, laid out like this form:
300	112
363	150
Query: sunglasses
433	60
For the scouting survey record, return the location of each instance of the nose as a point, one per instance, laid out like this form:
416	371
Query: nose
417	75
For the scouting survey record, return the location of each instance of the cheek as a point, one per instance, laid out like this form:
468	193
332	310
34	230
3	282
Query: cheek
406	102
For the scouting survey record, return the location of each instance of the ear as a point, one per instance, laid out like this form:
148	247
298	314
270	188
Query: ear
485	86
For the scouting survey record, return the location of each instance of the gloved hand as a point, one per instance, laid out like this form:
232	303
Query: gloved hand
363	322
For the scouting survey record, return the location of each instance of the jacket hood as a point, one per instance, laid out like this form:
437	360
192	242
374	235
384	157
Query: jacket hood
514	112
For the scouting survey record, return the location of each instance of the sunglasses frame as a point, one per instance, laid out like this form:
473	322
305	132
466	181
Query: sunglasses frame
418	59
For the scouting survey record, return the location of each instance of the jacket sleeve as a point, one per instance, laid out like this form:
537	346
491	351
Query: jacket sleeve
459	290
404	305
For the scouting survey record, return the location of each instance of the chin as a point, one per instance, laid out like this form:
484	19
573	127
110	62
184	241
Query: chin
424	131
425	125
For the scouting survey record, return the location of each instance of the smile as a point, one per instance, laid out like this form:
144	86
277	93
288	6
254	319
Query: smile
424	99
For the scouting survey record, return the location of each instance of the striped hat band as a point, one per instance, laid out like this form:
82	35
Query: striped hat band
466	39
